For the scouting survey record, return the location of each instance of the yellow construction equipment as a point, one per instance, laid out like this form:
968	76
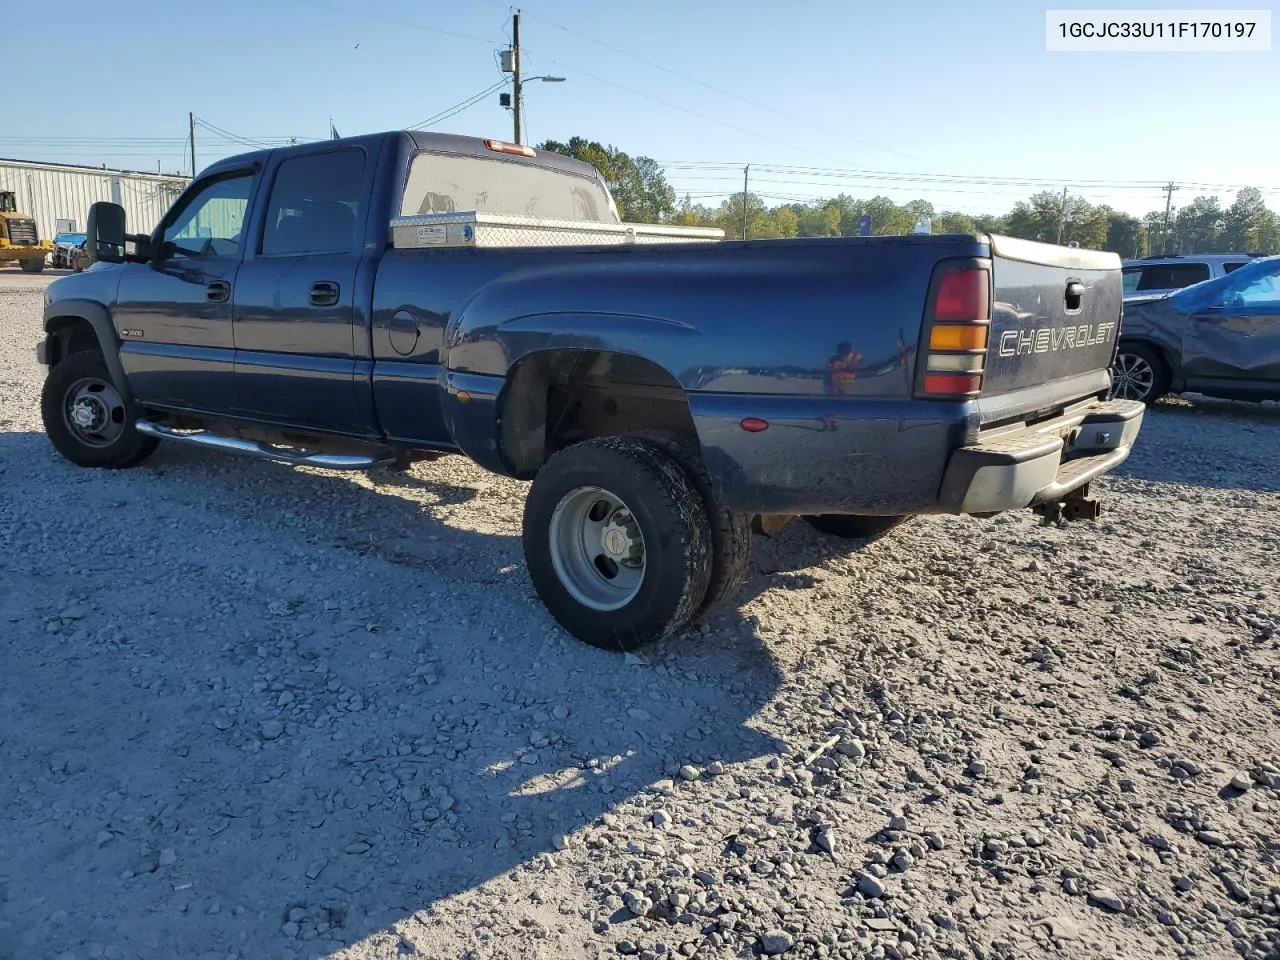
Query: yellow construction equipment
19	238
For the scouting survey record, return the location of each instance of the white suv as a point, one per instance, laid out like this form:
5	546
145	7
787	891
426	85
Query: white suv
1156	276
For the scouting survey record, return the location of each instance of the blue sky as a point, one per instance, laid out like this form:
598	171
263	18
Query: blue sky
905	89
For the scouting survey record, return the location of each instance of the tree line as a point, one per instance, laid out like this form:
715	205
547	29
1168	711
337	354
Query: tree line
643	195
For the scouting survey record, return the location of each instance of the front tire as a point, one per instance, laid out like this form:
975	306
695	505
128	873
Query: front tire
850	527
1139	373
32	266
617	542
87	419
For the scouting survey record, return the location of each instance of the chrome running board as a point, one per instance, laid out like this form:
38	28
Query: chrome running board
266	451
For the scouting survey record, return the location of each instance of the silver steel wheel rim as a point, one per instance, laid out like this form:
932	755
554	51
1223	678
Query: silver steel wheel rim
1133	377
597	549
94	412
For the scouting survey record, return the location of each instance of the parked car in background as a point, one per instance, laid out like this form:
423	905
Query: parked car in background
64	247
1220	337
1152	276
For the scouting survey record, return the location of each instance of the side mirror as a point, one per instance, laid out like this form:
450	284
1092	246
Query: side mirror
104	233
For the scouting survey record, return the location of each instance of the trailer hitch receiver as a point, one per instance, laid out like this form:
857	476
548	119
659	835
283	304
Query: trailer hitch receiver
1077	505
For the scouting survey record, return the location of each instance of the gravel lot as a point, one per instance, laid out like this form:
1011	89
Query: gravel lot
251	711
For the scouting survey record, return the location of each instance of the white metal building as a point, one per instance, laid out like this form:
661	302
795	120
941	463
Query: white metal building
54	191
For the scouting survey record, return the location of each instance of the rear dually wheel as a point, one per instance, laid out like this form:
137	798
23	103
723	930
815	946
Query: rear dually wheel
617	542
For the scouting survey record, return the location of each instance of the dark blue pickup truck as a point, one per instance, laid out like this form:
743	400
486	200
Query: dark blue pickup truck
665	399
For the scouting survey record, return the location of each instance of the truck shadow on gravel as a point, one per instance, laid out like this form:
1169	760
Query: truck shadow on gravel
276	745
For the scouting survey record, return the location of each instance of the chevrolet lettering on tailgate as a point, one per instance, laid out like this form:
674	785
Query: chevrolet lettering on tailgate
1016	343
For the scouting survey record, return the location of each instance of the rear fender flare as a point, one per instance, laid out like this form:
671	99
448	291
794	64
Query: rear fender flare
99	318
480	363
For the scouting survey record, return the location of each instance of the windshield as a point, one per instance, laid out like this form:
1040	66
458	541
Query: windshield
1257	275
447	183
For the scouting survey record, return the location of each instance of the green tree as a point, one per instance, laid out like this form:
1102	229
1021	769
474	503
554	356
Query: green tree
639	186
1085	224
951	222
1036	218
1126	235
1198	226
990	224
1266	237
887	218
817	221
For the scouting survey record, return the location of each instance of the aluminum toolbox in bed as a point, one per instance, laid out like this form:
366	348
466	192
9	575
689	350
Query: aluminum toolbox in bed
471	229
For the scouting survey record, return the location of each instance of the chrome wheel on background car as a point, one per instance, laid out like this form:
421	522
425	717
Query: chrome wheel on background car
1132	377
597	549
1138	374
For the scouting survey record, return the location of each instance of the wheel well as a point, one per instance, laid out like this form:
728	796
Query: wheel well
70	335
555	398
1171	367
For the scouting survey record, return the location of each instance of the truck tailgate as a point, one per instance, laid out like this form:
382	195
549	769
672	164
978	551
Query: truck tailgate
1055	314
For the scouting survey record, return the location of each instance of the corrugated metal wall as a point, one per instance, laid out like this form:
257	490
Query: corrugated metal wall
50	192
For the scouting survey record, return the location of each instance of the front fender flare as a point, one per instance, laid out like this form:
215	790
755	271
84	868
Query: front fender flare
99	318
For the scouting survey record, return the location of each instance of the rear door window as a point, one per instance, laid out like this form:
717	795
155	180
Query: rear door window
315	205
1234	265
1172	276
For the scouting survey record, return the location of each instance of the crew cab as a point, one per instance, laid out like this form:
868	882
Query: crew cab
666	393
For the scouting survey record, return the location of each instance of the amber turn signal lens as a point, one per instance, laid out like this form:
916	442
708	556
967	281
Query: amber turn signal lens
958	337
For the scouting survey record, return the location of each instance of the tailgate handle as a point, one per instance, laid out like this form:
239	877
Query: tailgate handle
1075	294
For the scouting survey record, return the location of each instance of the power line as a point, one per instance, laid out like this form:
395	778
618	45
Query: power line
723	92
459	107
693	113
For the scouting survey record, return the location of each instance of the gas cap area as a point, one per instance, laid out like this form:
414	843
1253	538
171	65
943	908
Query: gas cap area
402	331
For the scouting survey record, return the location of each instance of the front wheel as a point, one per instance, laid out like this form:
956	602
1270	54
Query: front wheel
1139	374
850	527
32	266
86	418
617	542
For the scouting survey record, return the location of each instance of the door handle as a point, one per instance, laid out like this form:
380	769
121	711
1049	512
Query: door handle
217	291
324	293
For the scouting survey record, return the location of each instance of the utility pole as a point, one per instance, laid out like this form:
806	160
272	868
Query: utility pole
1062	215
191	122
746	172
1168	209
515	72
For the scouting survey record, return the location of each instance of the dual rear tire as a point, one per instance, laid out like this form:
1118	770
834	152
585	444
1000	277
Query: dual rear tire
624	543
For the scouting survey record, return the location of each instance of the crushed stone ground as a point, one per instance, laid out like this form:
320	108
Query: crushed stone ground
252	711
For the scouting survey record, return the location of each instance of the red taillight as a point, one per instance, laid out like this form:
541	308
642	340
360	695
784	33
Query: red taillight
754	425
952	384
953	347
963	297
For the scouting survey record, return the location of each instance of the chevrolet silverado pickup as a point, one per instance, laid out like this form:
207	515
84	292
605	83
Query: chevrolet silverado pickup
397	297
